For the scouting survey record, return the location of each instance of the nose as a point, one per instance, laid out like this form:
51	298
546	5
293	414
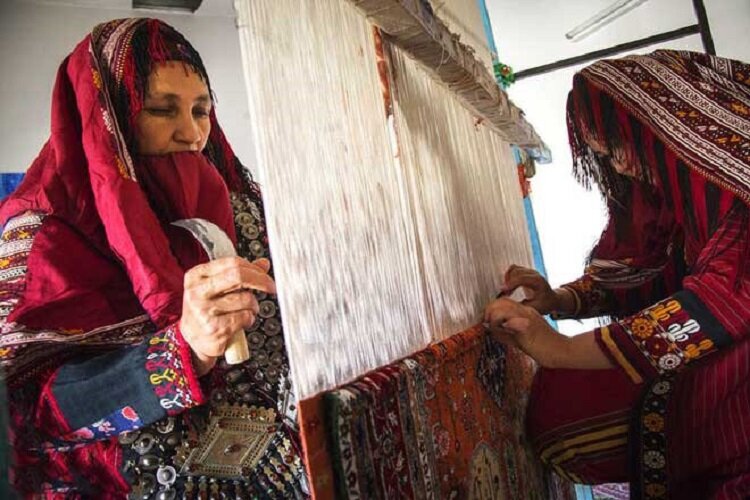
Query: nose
187	131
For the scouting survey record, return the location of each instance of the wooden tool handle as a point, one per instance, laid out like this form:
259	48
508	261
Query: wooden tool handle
237	351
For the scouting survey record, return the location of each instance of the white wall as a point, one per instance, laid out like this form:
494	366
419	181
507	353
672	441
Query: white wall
35	36
530	33
729	21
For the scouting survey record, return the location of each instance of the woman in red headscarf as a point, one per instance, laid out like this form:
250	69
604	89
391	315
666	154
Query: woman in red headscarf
113	319
660	396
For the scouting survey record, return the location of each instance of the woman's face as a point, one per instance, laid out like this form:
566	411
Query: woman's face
175	114
618	161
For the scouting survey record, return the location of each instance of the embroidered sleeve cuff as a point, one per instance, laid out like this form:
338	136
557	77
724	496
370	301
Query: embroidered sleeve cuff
665	337
169	363
123	390
590	300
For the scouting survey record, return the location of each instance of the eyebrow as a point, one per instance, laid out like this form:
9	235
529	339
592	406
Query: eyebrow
168	96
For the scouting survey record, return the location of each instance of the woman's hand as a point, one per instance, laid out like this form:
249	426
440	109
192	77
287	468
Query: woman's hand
217	302
539	294
520	325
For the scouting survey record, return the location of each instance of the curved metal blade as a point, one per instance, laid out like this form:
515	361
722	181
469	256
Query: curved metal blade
211	237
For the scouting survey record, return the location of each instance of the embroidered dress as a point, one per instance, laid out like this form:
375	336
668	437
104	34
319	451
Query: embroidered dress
103	398
671	269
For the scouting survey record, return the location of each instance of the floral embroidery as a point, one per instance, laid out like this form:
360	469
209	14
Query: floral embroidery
656	490
653	422
642	328
661	388
103	426
651	442
167	373
123	420
669	362
130	414
654	459
667	335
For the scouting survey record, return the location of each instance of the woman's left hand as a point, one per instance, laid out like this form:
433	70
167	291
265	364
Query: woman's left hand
514	323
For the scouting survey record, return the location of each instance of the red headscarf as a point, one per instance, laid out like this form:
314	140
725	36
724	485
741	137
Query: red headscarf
115	208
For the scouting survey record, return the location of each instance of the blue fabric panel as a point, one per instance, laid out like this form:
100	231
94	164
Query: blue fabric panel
87	391
9	183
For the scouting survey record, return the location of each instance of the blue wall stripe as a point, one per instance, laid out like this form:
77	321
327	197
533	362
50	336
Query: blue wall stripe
582	492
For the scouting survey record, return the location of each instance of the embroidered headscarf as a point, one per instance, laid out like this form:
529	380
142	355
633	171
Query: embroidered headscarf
88	177
697	106
672	118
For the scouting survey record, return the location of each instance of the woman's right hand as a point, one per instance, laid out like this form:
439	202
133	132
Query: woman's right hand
217	302
539	294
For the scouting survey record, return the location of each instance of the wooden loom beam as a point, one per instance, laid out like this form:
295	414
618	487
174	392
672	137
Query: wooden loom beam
411	25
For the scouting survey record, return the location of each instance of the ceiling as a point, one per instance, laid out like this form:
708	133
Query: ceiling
220	8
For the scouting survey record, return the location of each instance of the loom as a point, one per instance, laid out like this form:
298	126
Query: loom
393	205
